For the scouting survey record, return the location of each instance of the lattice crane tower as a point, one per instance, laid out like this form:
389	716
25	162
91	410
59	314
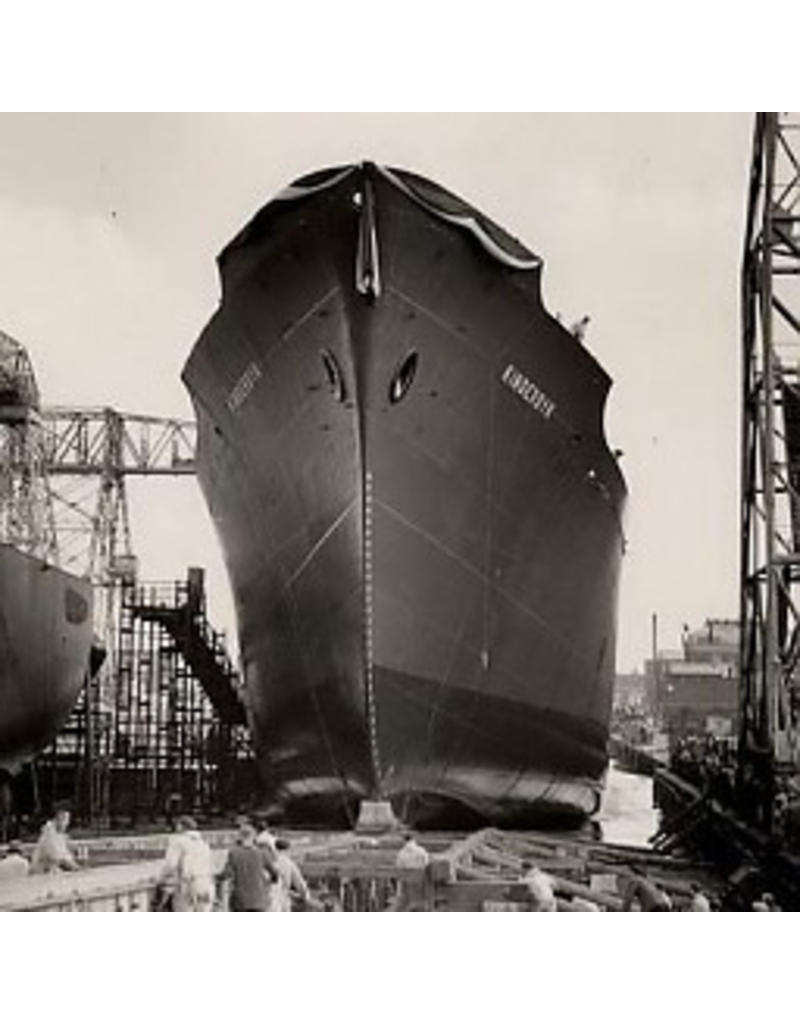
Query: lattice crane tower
26	520
770	466
88	455
62	479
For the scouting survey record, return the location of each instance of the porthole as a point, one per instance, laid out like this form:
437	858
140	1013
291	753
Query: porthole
76	607
403	378
334	375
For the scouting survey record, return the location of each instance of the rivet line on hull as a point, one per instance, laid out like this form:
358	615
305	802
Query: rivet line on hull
372	723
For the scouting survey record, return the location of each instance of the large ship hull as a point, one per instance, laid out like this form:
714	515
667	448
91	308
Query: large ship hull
404	458
45	642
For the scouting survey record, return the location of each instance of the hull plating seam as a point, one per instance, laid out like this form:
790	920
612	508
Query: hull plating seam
372	721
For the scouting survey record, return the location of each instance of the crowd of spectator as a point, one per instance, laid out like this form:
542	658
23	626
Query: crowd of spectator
707	762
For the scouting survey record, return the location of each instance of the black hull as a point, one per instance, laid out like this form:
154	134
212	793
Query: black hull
45	642
404	457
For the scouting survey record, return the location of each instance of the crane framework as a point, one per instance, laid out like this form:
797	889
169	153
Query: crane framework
88	454
64	495
770	465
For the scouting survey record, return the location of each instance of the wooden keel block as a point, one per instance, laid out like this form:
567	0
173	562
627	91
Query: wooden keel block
376	816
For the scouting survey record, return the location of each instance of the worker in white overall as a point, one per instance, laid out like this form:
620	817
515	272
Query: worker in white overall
52	852
412	892
188	866
540	887
290	879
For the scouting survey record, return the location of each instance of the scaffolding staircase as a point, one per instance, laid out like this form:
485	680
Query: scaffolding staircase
164	728
183	617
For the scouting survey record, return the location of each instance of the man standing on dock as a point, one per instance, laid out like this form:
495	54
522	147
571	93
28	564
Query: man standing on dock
411	854
264	837
188	864
250	871
290	879
52	851
412	894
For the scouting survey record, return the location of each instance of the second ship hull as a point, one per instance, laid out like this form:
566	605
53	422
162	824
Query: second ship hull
46	637
404	458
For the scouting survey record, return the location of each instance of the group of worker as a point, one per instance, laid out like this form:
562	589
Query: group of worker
643	893
639	893
710	764
707	762
258	873
632	724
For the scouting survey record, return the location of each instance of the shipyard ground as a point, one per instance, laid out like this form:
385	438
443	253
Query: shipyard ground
346	871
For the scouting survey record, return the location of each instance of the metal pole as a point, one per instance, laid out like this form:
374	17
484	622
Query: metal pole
770	693
654	642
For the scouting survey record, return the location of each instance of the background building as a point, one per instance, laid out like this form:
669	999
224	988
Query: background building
695	690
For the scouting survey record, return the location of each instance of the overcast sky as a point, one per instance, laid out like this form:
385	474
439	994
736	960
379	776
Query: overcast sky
111	225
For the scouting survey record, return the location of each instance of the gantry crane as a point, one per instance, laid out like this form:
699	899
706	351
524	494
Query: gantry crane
63	498
87	454
62	490
769	738
63	472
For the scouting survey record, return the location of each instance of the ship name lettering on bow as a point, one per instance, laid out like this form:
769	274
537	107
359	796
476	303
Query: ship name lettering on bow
528	391
242	388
